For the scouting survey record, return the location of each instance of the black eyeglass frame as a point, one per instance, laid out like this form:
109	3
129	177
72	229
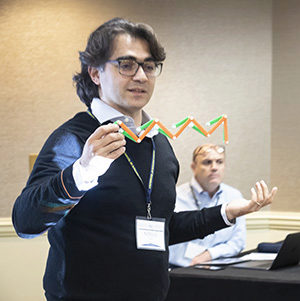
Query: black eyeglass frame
139	64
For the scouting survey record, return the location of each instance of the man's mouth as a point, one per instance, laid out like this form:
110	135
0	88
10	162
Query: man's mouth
137	90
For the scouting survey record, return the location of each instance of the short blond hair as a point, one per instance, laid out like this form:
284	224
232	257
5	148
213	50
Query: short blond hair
207	147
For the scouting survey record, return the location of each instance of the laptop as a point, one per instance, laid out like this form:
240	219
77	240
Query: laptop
288	255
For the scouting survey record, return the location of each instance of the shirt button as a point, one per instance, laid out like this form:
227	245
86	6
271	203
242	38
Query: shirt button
126	119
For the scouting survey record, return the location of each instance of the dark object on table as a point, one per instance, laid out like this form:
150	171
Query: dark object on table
269	247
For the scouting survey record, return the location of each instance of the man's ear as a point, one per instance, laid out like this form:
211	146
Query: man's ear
94	74
193	165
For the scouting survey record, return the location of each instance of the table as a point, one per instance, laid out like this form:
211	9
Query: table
232	284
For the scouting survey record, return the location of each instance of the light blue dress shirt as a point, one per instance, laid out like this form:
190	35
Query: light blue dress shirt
223	243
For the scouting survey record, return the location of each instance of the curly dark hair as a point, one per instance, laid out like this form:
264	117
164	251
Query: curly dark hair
99	49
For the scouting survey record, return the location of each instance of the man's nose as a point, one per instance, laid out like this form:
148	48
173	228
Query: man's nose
214	166
140	75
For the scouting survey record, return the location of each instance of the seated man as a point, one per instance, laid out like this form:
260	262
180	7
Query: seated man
207	190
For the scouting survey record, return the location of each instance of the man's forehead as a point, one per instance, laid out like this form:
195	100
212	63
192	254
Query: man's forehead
211	154
206	148
129	46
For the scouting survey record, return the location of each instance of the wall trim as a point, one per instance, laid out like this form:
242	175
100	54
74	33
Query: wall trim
263	220
6	227
273	220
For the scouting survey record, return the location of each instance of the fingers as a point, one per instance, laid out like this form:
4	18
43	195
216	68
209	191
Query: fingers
195	260
108	144
106	141
254	197
116	153
265	189
259	191
202	257
273	192
104	130
261	195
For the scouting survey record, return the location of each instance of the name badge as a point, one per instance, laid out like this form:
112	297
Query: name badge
150	233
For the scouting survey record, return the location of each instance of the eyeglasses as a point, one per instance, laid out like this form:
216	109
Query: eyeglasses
130	67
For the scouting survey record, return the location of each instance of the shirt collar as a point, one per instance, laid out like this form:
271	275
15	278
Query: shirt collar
197	187
104	112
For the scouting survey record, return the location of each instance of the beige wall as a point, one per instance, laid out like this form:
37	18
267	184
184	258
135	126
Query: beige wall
218	61
285	159
22	264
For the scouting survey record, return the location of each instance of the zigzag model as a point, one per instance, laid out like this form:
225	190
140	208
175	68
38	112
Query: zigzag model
188	121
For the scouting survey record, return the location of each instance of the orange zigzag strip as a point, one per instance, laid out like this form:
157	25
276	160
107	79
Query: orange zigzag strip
190	120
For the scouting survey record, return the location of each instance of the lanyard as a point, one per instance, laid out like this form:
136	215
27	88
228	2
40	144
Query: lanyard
148	189
194	196
197	202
